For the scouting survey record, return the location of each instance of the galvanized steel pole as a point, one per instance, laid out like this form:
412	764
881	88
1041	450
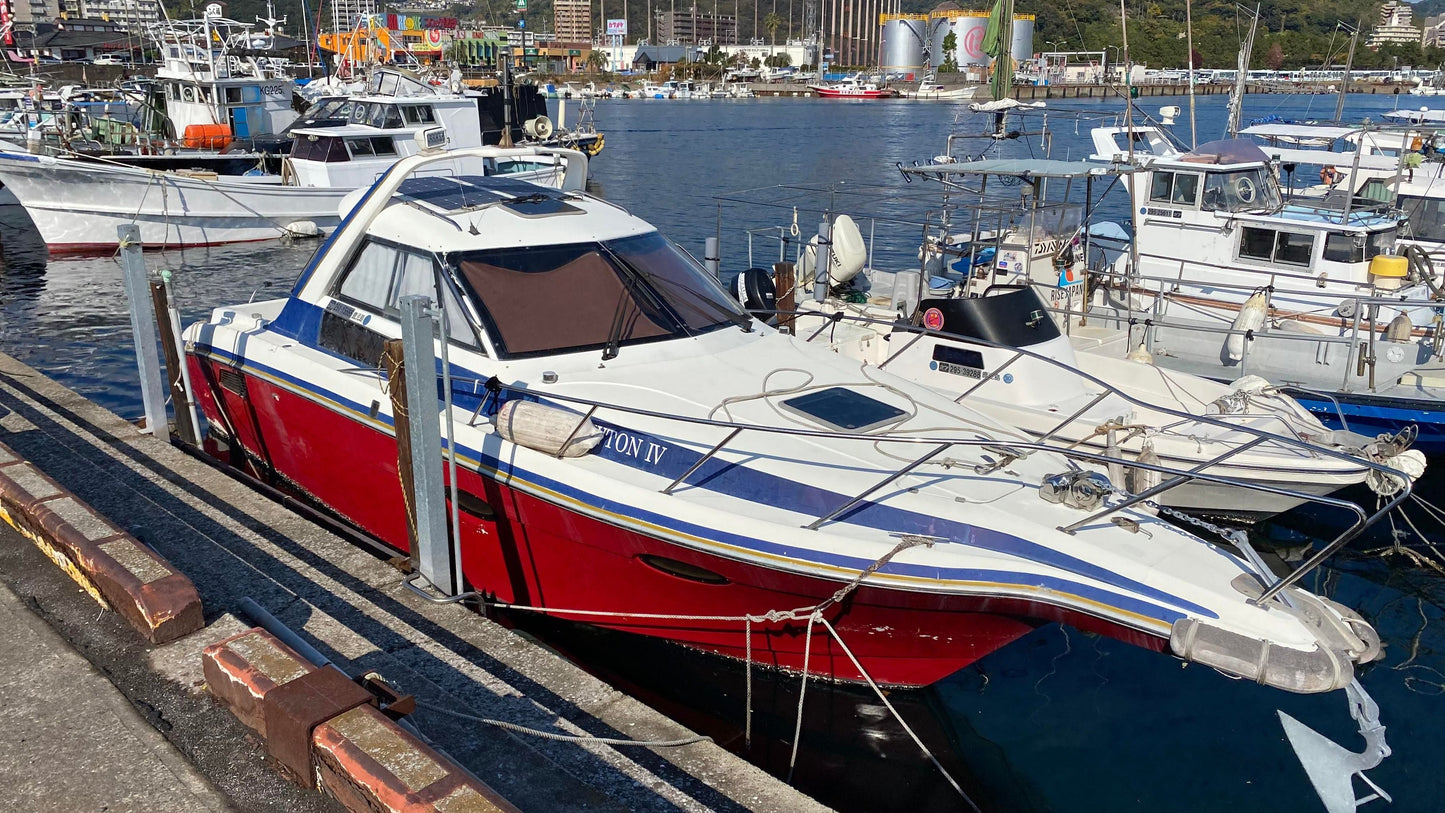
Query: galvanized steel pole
143	330
432	556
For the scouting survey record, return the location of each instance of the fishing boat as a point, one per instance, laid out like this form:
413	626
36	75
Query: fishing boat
632	450
998	349
929	88
77	204
852	87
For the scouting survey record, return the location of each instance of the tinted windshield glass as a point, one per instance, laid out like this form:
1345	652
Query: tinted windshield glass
555	299
1426	217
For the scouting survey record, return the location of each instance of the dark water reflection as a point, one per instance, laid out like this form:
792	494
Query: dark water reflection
1058	721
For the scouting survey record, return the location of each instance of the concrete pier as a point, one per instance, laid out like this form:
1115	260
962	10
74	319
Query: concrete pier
349	604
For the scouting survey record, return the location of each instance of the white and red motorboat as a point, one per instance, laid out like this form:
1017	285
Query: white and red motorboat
853	88
710	469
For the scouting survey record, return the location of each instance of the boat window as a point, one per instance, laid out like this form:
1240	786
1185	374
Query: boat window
233	95
1344	248
381	275
1425	218
1355	248
419	114
1179	188
1245	190
1272	246
188	93
381	145
370	281
360	147
1294	248
1257	244
319	148
1159	189
1186	188
566	298
360	112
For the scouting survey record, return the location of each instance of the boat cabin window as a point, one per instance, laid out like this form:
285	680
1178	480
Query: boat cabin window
419	114
1425	218
1276	246
376	114
382	274
565	298
188	93
328	149
233	95
1341	247
1178	188
1245	190
366	147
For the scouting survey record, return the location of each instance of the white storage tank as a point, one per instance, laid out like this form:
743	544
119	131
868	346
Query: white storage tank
902	42
970	29
1022	46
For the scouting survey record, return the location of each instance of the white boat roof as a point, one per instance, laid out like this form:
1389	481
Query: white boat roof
1022	168
1299	132
494	211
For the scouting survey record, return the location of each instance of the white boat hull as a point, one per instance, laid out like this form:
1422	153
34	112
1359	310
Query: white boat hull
77	206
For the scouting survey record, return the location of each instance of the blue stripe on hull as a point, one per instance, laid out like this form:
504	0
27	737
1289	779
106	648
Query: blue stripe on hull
1374	415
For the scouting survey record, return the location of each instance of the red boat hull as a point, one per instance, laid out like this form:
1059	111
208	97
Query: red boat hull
535	552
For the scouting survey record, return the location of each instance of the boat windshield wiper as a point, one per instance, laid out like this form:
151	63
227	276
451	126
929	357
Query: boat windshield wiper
619	316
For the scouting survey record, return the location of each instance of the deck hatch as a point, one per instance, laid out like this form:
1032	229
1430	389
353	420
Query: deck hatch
844	410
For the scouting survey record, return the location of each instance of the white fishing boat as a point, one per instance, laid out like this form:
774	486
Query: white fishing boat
1004	354
929	88
1223	280
76	205
616	420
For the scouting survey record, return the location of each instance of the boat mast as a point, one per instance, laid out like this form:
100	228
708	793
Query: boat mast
1236	96
1349	63
1189	32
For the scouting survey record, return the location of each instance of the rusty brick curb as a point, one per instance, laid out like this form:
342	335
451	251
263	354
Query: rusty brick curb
352	751
110	564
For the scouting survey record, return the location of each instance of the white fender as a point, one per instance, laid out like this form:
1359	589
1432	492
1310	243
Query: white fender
546	428
1251	317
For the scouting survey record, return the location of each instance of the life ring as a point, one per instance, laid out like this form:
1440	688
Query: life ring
1245	190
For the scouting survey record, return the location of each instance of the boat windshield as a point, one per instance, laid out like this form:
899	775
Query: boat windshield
1239	191
543	300
1425	218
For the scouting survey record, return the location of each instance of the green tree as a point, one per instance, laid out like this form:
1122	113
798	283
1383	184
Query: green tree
772	22
950	49
596	60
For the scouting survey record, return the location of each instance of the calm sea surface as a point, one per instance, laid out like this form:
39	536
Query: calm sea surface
1058	721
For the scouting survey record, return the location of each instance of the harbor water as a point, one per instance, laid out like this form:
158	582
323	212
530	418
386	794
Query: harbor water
1059	720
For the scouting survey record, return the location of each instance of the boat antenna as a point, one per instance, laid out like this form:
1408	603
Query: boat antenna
1349	64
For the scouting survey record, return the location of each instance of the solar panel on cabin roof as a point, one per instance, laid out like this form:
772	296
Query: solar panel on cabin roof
451	194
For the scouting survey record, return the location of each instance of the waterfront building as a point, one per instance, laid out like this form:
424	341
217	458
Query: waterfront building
694	25
1396	26
572	20
346	14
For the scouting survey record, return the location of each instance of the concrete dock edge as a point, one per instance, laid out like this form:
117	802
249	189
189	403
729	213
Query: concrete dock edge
114	567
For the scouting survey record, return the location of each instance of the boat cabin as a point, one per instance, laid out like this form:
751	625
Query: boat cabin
201	84
378	131
1217	213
